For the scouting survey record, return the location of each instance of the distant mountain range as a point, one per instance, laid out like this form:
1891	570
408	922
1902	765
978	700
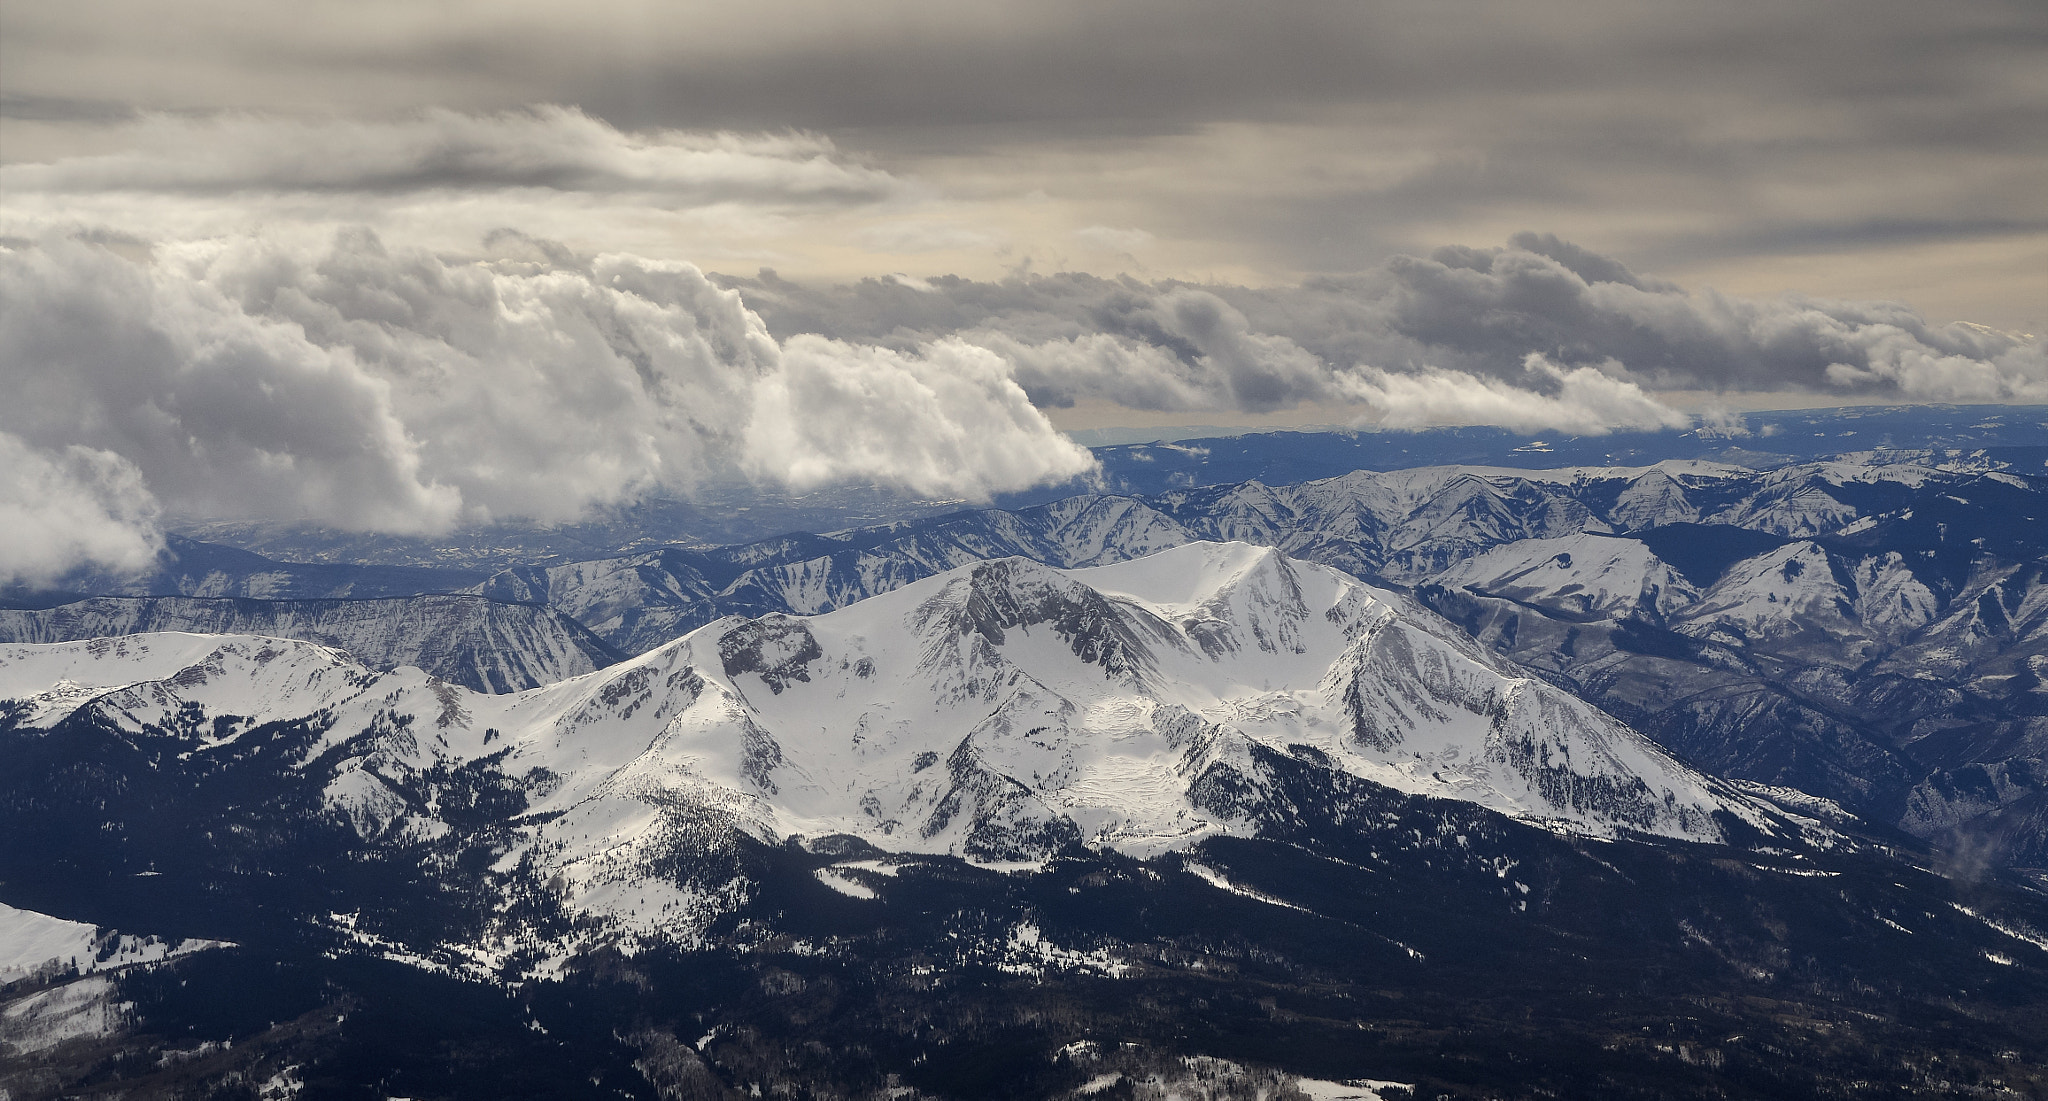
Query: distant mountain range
1872	628
481	644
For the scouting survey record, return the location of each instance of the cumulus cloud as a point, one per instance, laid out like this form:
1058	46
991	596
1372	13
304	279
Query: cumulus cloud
390	389
940	422
227	412
1890	358
549	147
73	505
1494	306
1581	400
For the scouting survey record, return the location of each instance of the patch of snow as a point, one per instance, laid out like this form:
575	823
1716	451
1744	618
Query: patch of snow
1221	882
1358	1089
2017	933
843	885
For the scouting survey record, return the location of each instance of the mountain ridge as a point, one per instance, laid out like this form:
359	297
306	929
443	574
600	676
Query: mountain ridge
479	643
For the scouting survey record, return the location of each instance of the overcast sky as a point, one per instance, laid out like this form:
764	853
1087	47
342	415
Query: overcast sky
350	261
1867	149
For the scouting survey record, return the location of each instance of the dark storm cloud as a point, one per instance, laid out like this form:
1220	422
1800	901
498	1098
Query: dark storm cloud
1702	113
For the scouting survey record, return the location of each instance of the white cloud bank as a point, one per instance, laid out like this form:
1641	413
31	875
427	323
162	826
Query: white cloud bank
71	505
392	390
1585	401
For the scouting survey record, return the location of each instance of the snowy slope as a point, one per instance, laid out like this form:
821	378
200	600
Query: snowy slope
1576	577
1793	590
36	945
147	680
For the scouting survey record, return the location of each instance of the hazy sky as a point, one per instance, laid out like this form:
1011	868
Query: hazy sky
405	265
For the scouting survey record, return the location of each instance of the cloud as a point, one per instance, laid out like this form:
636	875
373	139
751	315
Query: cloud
387	389
948	421
1183	349
548	147
445	179
368	387
227	412
1886	358
1581	400
1471	311
1271	140
71	507
1493	306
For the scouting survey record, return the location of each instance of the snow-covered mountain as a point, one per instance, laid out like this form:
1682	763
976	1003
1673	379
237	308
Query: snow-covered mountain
1000	711
1576	577
637	602
37	945
482	644
72	962
1213	784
